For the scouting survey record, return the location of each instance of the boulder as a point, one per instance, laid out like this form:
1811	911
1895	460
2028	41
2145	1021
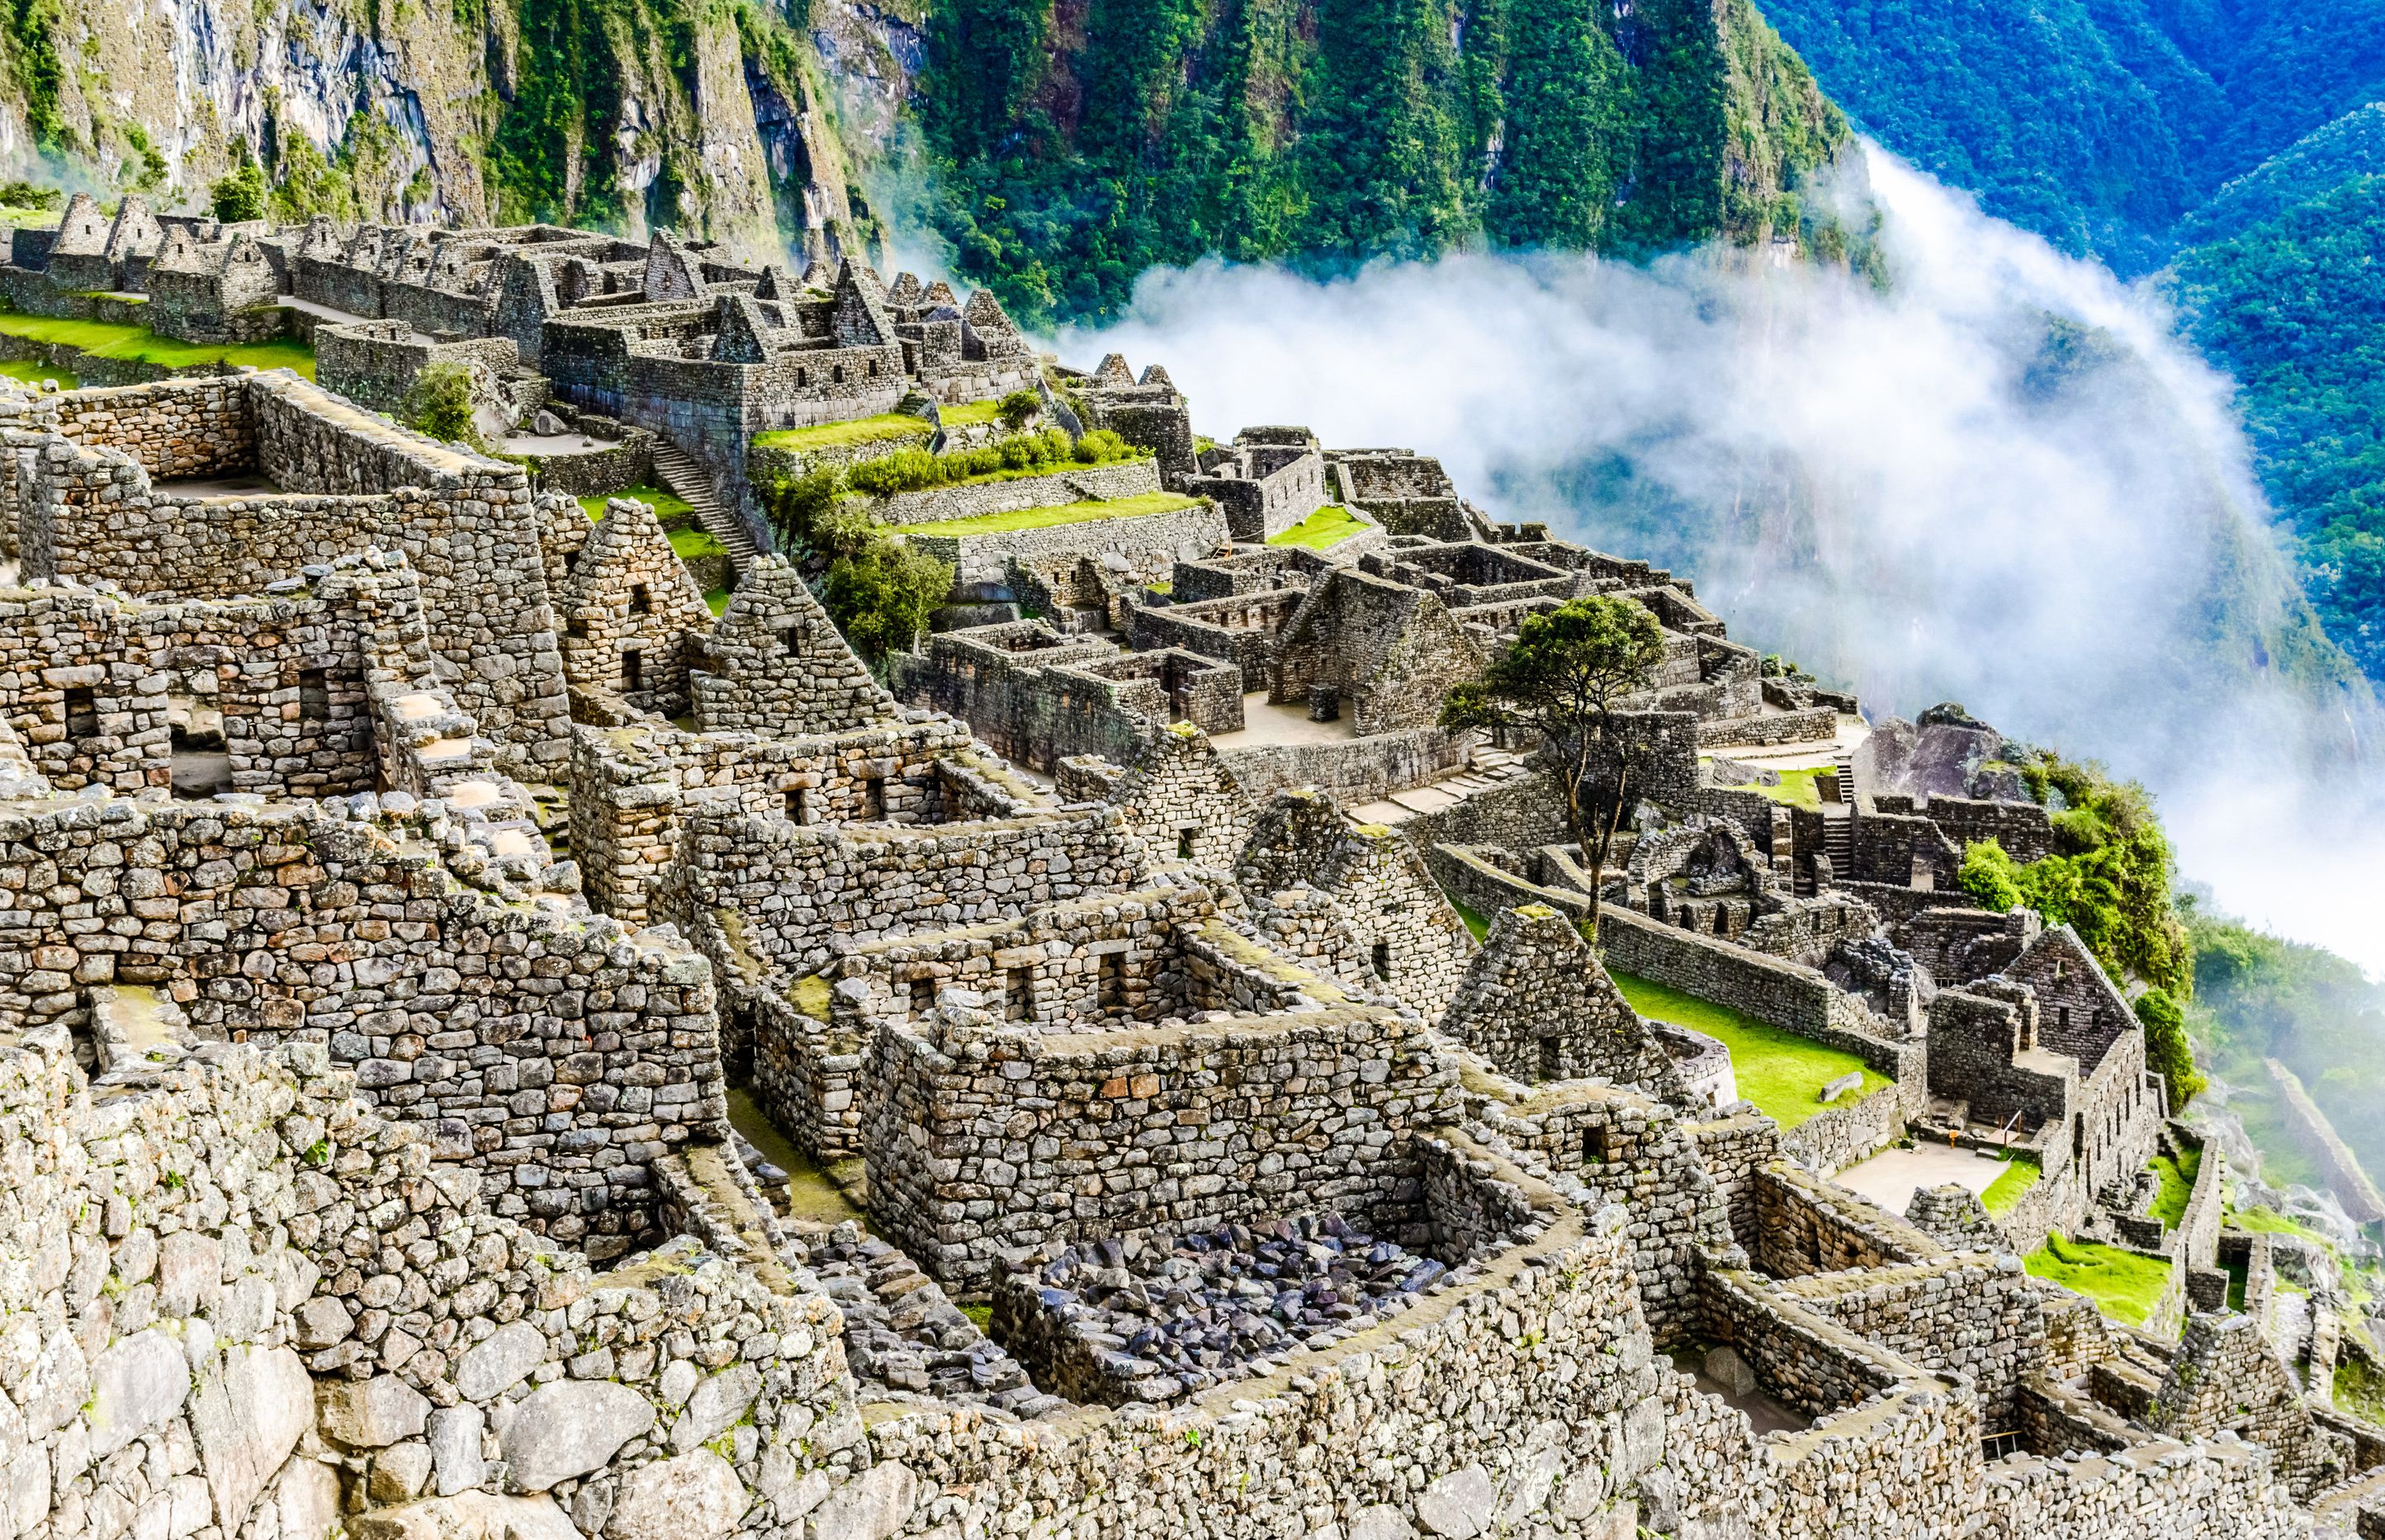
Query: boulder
692	1497
136	1385
570	1428
456	1461
250	1410
371	1414
1457	1506
715	1406
870	1506
1381	1521
492	1367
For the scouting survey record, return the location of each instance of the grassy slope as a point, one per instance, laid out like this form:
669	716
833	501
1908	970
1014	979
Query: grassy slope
1780	1072
108	340
1140	505
2123	1284
33	374
2005	1192
890	428
1321	530
2177	1185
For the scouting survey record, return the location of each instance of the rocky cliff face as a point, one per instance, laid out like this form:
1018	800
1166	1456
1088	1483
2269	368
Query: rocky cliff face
1059	148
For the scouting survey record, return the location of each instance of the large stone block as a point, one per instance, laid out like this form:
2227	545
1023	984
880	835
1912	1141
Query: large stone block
569	1429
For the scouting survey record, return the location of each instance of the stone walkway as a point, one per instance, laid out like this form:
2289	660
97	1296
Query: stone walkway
1489	770
1893	1176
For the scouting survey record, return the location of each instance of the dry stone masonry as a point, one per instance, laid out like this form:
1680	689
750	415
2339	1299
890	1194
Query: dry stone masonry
489	1050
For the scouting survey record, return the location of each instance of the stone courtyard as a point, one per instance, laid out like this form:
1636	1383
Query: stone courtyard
489	1047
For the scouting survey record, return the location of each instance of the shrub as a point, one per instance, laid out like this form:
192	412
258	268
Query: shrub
2166	1049
24	195
914	470
239	193
1018	409
439	404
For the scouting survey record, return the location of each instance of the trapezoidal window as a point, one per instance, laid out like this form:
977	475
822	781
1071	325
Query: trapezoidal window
641	600
82	712
1383	960
873	799
633	671
836	375
314	695
799	803
1018	995
1183	844
792	638
1110	983
923	995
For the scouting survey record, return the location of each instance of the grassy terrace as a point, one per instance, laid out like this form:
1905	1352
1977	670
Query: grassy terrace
2004	1193
2177	1179
664	501
1797	787
1780	1072
2123	1284
1140	505
1321	530
969	414
33	374
138	343
890	429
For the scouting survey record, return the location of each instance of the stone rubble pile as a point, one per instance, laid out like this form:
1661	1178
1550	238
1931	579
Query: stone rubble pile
903	1333
1223	1304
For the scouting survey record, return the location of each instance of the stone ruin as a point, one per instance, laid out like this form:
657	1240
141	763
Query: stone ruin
488	1046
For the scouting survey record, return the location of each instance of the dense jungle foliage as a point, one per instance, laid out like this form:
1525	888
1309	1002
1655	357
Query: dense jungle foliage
1073	148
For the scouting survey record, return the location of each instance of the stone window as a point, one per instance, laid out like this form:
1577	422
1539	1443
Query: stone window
873	799
1383	960
314	695
632	671
803	378
82	712
792	638
1111	983
923	995
836	375
575	627
799	803
641	600
1018	995
1183	844
1550	1063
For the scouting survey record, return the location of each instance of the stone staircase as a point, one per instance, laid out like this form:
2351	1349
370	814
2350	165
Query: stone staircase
678	470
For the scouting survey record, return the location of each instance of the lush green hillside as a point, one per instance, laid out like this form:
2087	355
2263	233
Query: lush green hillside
2293	305
1072	147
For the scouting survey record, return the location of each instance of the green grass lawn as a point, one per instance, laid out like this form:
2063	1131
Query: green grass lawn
889	428
2004	1194
1140	505
692	541
33	374
718	600
664	501
1472	916
2177	1185
109	340
2123	1284
1321	530
1778	1071
1797	787
969	414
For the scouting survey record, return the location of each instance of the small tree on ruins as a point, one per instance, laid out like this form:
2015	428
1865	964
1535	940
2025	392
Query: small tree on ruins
1562	681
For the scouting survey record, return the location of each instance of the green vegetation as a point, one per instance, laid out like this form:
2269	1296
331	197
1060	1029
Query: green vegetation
2177	1178
2261	997
1778	1071
2360	1389
717	599
1067	151
1797	787
1323	530
812	1193
2123	1284
240	193
1022	454
667	505
690	540
1477	924
1561	682
138	343
881	595
1138	507
33	374
2004	1195
2108	878
439	404
890	428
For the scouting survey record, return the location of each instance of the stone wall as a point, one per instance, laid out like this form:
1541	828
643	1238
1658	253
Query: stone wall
1806	1226
1354	771
1975	1313
373	363
1536	1004
1234	1119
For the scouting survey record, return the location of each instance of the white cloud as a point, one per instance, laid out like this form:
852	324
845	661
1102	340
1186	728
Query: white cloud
1887	486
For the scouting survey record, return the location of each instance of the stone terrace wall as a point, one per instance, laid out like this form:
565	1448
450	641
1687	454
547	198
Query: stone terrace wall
1975	1314
802	893
2154	1490
1804	1224
984	1140
1069	484
558	1055
1354	770
1148	544
220	1249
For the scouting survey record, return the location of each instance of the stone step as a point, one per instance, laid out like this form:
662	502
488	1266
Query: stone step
678	470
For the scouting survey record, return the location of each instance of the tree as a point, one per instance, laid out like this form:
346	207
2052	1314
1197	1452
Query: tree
439	404
1570	670
879	596
239	194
